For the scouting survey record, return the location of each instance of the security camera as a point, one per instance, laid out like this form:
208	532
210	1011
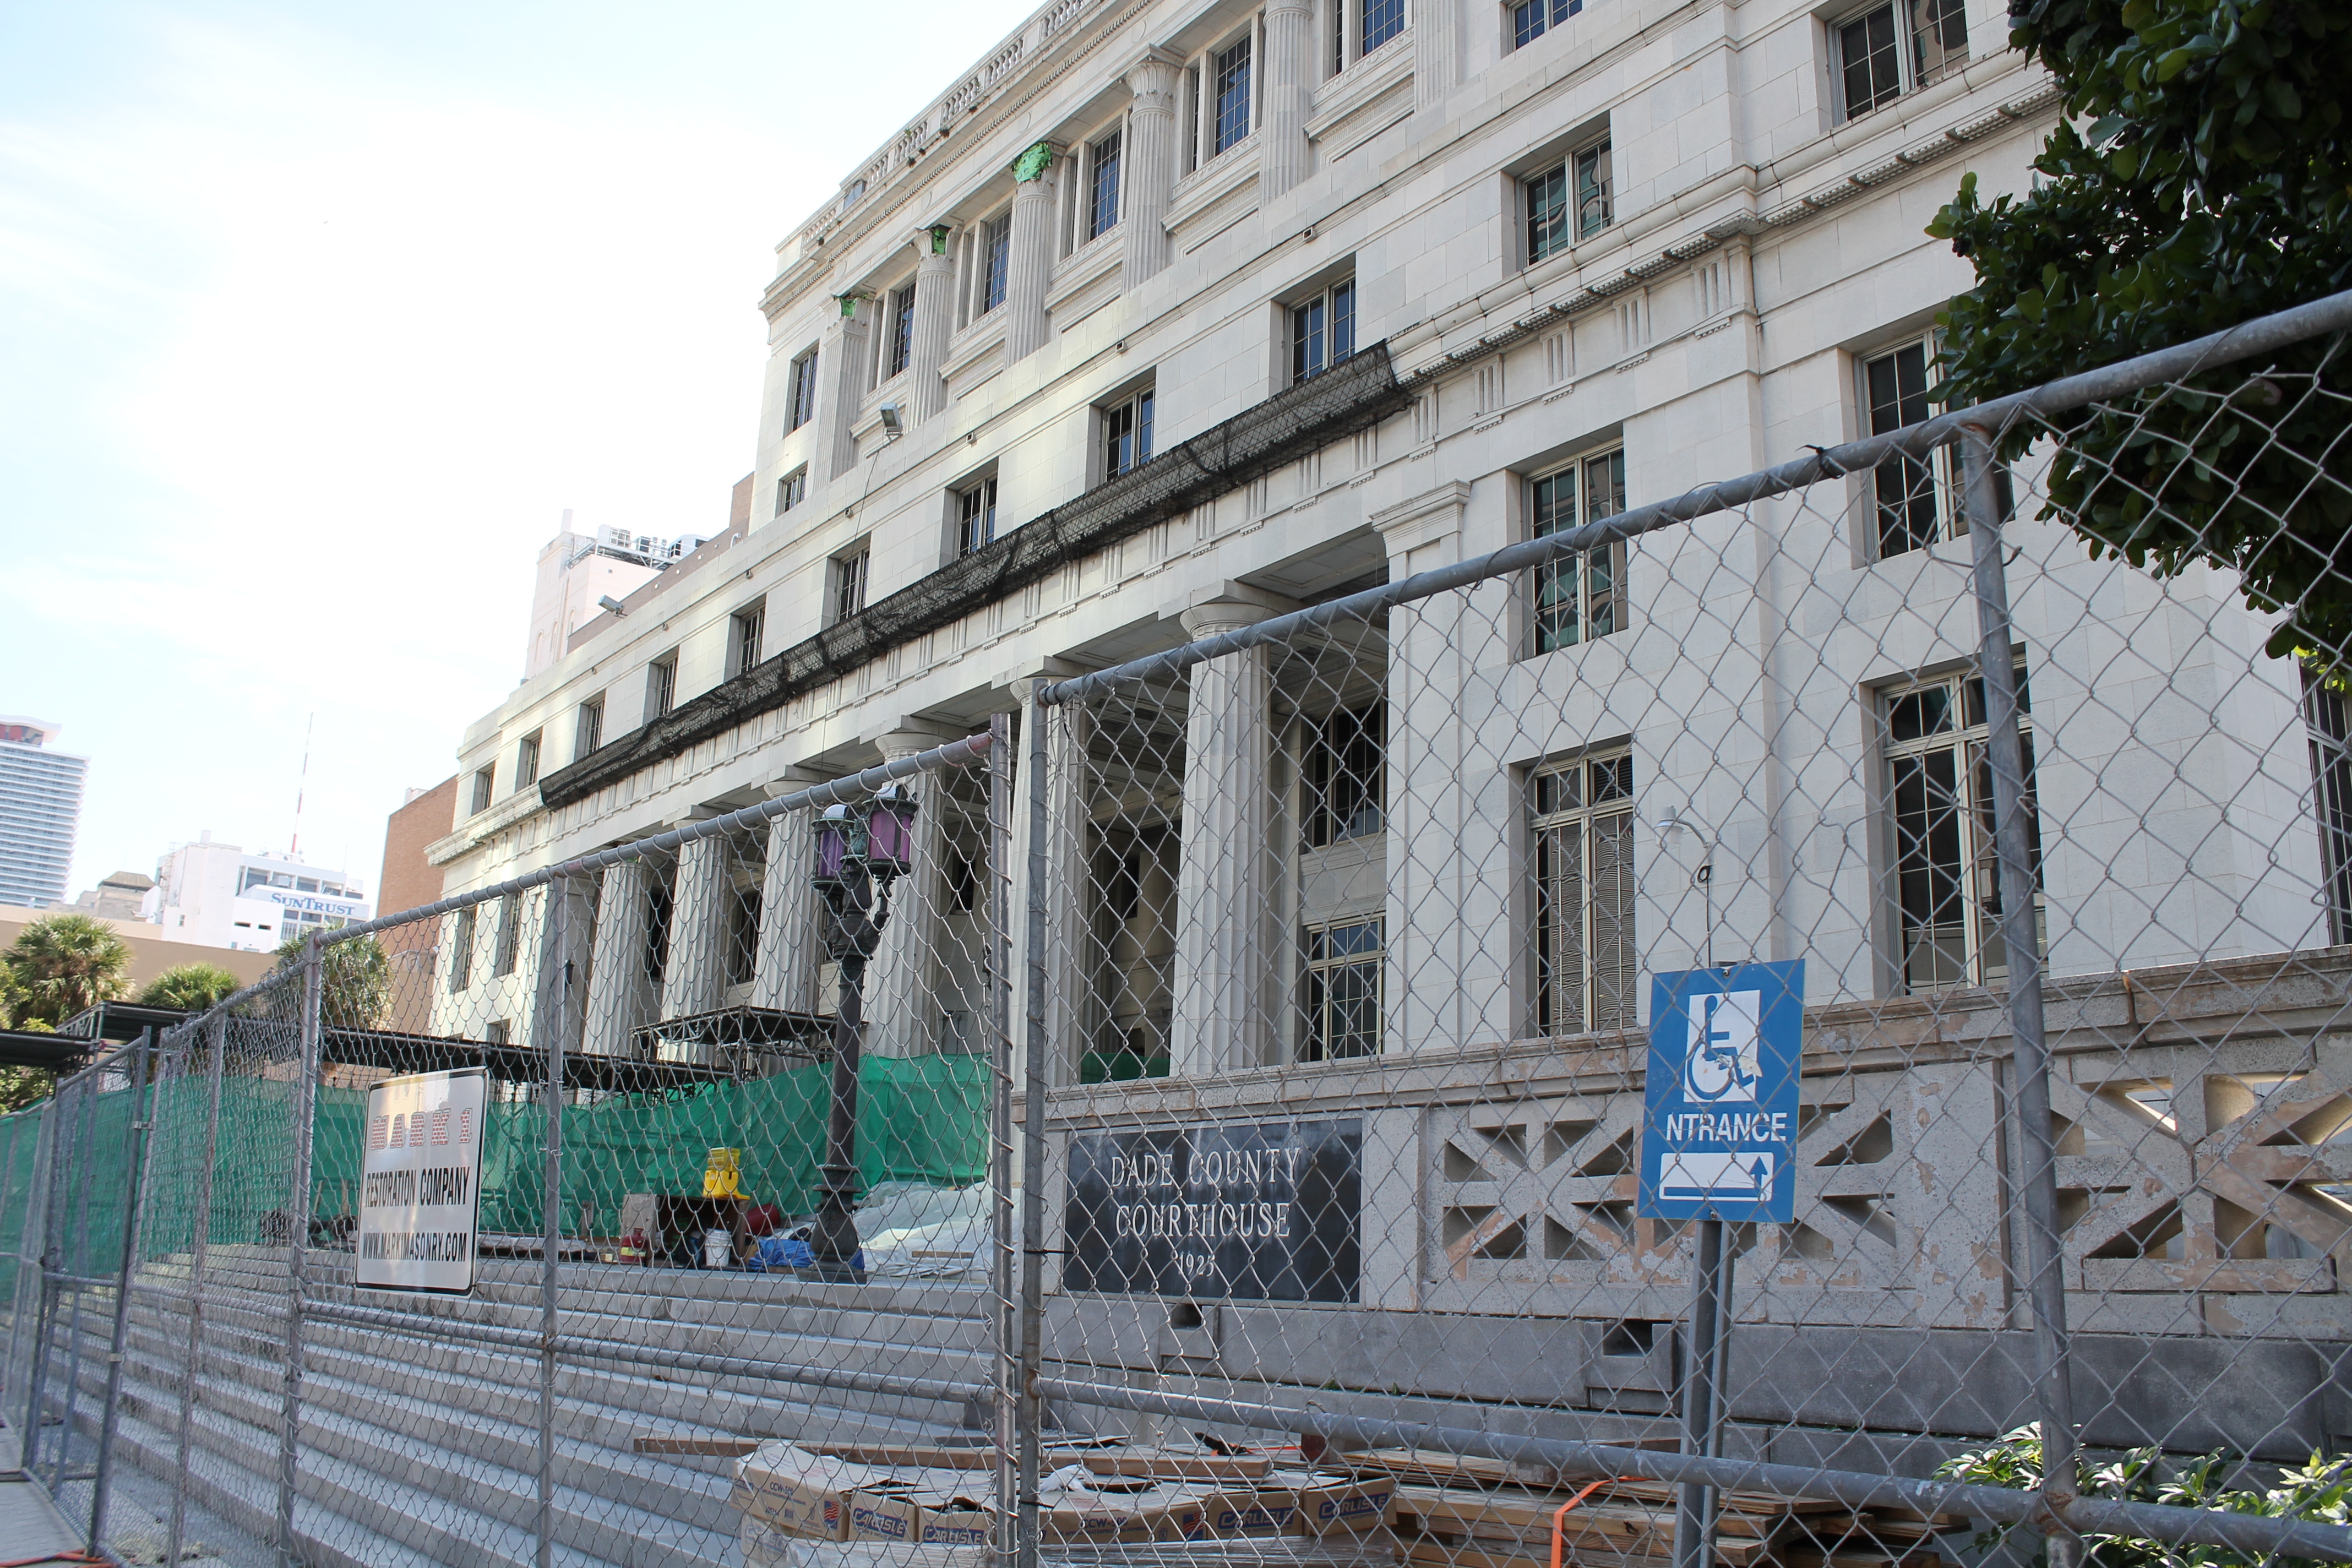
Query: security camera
891	425
610	602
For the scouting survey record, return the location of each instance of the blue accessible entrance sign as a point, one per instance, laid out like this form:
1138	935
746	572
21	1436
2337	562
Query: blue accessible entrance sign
1719	1128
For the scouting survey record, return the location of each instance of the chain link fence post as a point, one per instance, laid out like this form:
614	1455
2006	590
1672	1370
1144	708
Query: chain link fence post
2021	939
1029	1413
1003	1260
216	1034
146	1087
76	1266
57	1127
552	1013
298	1236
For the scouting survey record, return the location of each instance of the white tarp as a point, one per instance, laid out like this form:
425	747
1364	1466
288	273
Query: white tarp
421	1181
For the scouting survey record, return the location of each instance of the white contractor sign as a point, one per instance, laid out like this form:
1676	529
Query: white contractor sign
421	1181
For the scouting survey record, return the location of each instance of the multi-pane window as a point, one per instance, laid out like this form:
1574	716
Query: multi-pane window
485	780
803	397
588	729
898	338
792	489
2329	719
849	583
1341	999
745	628
975	516
526	761
1229	79
1102	186
1581	595
1586	963
1531	19
1569	202
1897	47
1916	499
1323	331
661	686
461	948
1127	433
1939	795
995	256
1344	795
1382	20
507	950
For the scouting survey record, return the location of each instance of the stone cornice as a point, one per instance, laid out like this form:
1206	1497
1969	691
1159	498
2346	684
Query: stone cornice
484	824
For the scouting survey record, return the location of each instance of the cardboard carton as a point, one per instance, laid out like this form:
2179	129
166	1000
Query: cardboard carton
1352	1503
884	1516
1246	1510
798	1492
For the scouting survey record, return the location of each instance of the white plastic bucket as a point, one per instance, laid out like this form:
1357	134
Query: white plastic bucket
718	1248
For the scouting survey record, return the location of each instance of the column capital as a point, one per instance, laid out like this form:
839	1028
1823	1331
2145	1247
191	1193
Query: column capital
1426	518
1228	607
1034	161
905	740
1153	79
1305	7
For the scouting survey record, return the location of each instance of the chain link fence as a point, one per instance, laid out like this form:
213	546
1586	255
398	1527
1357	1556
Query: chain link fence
1798	1027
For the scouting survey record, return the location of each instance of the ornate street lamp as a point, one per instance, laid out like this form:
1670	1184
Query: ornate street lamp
860	851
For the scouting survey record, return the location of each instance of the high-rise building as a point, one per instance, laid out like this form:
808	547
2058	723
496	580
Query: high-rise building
219	895
40	806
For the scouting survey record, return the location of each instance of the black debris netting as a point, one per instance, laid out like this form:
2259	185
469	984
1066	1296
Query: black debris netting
1352	396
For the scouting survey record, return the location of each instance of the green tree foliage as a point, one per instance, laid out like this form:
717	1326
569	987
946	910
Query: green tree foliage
2320	1492
192	987
2201	179
357	982
64	964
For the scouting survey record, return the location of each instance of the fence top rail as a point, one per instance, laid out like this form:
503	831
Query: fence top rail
955	753
1991	419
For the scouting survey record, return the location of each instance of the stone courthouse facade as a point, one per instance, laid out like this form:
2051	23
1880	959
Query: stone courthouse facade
1604	249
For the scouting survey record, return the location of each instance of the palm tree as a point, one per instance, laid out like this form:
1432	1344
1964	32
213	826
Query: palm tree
357	981
66	964
191	987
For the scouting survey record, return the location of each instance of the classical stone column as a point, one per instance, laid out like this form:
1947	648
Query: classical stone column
566	919
902	1005
934	319
850	365
1224	893
785	975
695	978
1436	49
1286	156
1029	269
617	964
1150	159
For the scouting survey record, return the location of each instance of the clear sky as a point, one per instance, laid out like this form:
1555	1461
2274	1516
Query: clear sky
314	318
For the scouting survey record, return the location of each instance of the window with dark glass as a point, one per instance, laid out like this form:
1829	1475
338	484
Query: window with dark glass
485	780
743	935
1323	331
1344	770
526	761
1914	500
900	344
2328	717
1232	79
507	950
661	686
1102	186
975	516
745	628
1582	596
1939	795
588	730
803	398
849	583
1587	968
996	254
1382	20
1341	997
461	948
792	489
1531	19
1570	201
1895	47
1127	435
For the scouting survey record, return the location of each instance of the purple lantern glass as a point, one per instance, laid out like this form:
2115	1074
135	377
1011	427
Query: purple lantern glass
890	833
833	831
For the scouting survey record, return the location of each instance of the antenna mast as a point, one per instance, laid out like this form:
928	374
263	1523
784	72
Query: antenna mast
294	846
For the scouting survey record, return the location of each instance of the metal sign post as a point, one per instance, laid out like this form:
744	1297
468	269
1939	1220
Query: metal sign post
1718	1143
